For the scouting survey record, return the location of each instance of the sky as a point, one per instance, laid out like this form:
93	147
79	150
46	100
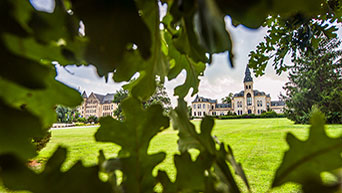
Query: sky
219	78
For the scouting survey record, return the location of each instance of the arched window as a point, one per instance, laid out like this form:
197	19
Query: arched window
249	99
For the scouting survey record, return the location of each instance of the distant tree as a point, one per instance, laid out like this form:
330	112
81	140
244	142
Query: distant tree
227	99
119	96
316	79
159	97
66	114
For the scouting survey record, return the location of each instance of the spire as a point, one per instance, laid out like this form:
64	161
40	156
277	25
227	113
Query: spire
248	77
84	94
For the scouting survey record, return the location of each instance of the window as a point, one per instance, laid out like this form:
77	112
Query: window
199	106
194	106
249	99
203	106
203	113
260	103
195	114
249	86
258	111
212	107
239	104
249	111
246	87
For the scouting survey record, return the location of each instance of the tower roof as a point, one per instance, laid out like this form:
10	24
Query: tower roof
84	94
248	77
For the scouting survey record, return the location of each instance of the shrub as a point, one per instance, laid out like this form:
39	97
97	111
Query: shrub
92	119
81	119
270	114
40	142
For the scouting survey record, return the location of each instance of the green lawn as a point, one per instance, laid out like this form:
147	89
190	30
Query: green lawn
258	144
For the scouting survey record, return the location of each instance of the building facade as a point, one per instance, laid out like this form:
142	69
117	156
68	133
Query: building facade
97	105
248	101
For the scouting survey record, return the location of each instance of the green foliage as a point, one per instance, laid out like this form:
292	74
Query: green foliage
288	36
304	162
316	79
92	119
140	127
227	99
210	160
66	115
124	37
159	97
16	176
81	119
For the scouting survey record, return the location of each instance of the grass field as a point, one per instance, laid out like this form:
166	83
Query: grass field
258	144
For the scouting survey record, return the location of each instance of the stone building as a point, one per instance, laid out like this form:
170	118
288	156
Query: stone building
247	101
97	105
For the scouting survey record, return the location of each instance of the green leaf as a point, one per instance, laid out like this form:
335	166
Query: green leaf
16	136
134	136
185	39
52	27
180	61
188	136
31	49
41	102
211	29
190	175
306	160
21	70
16	176
109	38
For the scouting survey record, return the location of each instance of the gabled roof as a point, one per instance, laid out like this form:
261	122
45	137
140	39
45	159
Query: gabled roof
248	77
258	93
99	97
202	99
277	103
108	98
240	94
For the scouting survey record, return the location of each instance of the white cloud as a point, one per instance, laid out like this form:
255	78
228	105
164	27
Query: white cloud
86	78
